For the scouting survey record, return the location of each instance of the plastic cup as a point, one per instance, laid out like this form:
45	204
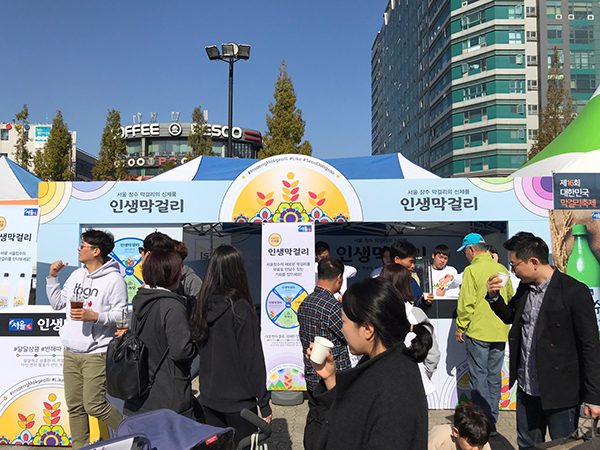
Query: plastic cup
122	322
320	349
76	303
504	277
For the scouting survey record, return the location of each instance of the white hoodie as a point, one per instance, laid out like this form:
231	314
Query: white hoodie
104	291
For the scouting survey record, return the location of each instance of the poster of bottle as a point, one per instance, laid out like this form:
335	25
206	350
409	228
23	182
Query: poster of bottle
19	222
288	276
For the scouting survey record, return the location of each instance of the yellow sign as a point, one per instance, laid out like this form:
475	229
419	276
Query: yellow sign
2	223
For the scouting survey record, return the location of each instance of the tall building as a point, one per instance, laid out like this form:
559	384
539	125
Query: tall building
457	85
82	163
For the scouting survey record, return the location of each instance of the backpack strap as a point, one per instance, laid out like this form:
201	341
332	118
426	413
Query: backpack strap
138	327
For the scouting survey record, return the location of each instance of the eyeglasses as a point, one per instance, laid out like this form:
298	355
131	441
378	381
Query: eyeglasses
512	266
141	250
86	246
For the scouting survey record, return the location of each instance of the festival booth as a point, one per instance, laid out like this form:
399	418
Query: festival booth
273	210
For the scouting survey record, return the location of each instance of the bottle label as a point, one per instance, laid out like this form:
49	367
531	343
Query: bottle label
18	301
3	302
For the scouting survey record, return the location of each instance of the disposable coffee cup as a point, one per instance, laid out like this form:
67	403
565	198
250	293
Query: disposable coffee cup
504	277
320	349
76	303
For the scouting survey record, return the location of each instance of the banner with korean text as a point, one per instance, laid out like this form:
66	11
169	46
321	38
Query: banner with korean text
19	220
288	276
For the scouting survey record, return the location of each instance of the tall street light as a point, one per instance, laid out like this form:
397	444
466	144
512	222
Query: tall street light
230	53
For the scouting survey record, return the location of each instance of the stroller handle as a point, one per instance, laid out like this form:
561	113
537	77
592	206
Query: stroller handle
264	427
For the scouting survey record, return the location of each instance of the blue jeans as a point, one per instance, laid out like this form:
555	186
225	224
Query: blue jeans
485	376
532	421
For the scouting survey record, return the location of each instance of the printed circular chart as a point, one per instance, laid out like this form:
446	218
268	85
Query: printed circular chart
283	302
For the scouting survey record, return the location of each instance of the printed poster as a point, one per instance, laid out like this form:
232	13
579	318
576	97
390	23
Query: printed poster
288	276
18	236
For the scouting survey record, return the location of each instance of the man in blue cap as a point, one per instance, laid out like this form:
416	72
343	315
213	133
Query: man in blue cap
483	333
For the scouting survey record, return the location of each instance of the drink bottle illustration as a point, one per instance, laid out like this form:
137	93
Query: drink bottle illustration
19	299
583	265
4	292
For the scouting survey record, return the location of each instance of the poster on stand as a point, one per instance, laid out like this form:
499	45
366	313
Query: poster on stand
19	222
288	276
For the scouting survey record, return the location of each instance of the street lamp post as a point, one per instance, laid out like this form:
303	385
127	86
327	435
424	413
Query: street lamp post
230	53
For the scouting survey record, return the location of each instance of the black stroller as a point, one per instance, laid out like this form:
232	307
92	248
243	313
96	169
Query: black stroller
164	429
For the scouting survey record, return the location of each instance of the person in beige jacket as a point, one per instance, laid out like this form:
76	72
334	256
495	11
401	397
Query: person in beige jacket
471	431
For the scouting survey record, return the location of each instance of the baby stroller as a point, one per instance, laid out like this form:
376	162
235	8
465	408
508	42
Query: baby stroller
164	429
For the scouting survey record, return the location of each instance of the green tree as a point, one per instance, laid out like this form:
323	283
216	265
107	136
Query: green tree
53	162
286	127
113	150
558	112
198	139
22	154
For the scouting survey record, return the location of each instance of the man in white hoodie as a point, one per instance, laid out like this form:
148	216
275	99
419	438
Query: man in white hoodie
88	330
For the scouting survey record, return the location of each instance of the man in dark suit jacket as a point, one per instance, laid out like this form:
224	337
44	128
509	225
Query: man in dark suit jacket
554	345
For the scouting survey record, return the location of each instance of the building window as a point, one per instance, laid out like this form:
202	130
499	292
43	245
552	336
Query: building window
580	10
476	139
561	57
474	92
532	110
581	35
515	37
532	134
532	60
532	36
515	12
517	134
583	84
473	43
553	8
515	59
475	115
4	134
555	34
532	85
515	86
531	11
473	19
517	109
582	59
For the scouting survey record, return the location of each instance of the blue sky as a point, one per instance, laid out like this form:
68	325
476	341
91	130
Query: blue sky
85	58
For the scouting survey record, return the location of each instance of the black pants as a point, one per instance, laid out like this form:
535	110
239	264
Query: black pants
243	428
317	413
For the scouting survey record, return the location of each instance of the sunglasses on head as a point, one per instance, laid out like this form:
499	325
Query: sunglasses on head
141	250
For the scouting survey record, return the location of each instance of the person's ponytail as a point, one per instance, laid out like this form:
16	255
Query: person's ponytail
421	343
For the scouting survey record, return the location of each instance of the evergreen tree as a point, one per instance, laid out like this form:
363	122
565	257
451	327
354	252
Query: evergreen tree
558	112
286	127
22	154
113	150
53	162
198	139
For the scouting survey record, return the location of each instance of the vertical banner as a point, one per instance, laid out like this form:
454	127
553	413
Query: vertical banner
18	236
287	277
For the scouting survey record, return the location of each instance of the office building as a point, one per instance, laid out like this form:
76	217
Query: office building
457	85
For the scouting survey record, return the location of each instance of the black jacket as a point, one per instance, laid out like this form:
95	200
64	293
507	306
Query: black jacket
379	404
167	325
232	365
567	344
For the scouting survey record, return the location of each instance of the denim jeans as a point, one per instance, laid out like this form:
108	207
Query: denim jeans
532	421
485	376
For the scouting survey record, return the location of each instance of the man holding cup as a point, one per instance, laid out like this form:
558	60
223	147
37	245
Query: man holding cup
479	328
95	296
320	315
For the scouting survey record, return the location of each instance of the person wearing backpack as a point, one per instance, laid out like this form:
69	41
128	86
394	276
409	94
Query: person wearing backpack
166	335
95	295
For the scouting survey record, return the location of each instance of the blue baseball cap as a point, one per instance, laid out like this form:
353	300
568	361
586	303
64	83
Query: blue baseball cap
471	239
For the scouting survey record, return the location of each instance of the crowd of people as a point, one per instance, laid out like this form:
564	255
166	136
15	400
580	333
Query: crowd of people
370	391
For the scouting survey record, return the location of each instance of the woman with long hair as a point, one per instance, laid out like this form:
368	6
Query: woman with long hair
380	403
225	327
401	278
166	334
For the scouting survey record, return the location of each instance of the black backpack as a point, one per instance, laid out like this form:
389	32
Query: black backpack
127	373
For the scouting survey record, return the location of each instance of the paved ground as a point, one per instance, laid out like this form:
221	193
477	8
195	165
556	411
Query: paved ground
288	427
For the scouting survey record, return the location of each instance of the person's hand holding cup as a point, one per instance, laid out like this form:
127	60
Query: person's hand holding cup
497	282
321	359
122	322
76	311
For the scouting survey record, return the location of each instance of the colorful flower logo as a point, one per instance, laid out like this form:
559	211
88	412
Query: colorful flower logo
290	212
25	438
51	436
